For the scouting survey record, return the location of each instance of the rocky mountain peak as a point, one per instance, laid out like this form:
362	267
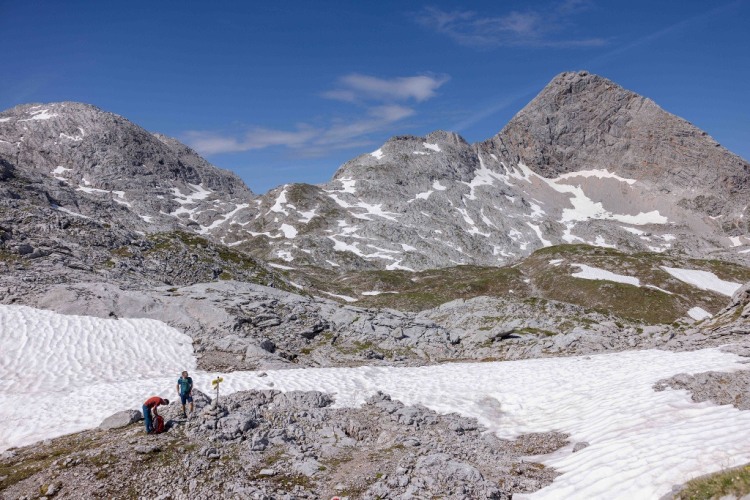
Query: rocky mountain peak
103	156
581	121
586	161
445	137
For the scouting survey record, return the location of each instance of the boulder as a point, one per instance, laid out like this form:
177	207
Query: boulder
121	419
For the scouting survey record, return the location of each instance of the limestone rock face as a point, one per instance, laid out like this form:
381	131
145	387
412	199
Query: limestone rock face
586	161
104	157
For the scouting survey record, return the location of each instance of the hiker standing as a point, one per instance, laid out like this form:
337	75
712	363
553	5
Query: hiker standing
185	390
151	404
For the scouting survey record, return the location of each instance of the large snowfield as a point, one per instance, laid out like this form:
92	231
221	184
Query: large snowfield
62	374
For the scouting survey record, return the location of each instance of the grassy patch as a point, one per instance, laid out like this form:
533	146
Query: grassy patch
730	482
29	463
122	252
628	301
8	257
414	291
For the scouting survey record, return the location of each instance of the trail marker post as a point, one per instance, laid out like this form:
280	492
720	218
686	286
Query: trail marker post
216	382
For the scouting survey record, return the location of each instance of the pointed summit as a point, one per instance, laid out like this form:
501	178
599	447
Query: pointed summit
581	121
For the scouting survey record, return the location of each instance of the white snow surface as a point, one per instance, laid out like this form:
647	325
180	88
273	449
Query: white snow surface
600	174
78	370
378	153
307	216
278	206
584	208
289	231
198	193
41	114
594	273
431	146
704	280
280	266
59	170
538	231
698	313
224	218
345	298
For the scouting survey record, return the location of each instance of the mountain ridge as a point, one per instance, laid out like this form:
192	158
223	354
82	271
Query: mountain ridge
576	165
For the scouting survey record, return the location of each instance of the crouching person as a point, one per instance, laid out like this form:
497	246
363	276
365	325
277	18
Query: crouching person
150	405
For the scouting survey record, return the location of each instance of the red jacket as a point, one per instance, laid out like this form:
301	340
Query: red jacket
153	402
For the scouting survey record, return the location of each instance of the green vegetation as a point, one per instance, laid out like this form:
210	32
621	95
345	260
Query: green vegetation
415	291
730	482
122	252
193	250
31	463
536	282
627	301
8	257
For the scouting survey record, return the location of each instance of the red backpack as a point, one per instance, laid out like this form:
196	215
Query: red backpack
158	426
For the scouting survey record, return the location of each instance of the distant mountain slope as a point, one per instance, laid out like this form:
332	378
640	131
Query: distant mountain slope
581	121
585	162
106	157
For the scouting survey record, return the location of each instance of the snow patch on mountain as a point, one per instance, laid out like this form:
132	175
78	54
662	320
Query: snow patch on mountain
538	232
345	298
41	114
199	193
224	218
595	273
583	207
704	280
281	266
606	399
278	206
307	216
698	314
289	231
599	174
76	138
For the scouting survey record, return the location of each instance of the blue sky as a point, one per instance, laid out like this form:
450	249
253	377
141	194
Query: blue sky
288	92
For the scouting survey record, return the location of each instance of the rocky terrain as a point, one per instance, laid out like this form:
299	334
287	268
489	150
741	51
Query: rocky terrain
580	228
267	444
245	326
585	162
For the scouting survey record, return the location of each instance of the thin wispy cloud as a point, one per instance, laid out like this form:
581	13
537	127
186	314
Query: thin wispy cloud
356	87
379	103
530	28
663	32
208	142
504	102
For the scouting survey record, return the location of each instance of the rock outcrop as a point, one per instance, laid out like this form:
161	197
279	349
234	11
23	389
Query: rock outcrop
268	444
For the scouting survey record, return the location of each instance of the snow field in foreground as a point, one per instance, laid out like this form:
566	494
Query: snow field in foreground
63	374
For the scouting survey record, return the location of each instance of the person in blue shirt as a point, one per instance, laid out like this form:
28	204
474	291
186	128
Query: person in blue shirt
185	390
